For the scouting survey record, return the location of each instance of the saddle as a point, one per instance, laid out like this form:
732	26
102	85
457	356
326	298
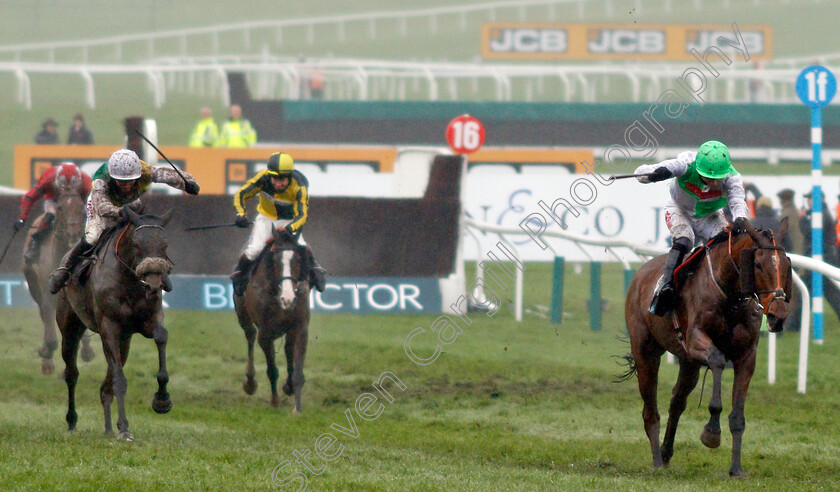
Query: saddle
687	268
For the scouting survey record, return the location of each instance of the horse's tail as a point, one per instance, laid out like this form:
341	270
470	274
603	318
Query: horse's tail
628	361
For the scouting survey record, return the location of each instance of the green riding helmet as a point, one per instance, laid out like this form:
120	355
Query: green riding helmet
713	160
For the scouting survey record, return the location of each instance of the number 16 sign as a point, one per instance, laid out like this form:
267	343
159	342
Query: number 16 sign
465	134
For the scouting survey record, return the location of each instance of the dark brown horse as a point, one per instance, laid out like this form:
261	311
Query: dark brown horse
68	228
717	318
121	297
276	303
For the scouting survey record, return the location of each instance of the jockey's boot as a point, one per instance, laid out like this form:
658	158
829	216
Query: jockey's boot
665	294
33	250
241	275
317	273
61	275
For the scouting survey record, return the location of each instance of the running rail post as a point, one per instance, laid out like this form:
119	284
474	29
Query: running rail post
557	290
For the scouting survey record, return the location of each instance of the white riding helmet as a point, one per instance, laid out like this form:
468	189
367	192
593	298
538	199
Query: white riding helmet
124	165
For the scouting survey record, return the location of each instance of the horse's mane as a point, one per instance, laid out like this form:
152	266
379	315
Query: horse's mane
723	236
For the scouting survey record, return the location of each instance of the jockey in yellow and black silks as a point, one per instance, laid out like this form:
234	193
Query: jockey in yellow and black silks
117	183
283	204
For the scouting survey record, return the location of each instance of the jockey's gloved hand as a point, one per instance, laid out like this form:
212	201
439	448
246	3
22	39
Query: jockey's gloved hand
741	223
19	224
191	187
660	174
241	221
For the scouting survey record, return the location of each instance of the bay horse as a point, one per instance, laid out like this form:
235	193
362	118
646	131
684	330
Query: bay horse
121	296
743	275
67	229
276	303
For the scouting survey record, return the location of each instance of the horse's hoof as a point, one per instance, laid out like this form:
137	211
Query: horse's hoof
296	411
88	354
249	385
161	403
287	389
275	401
737	473
125	437
47	367
710	439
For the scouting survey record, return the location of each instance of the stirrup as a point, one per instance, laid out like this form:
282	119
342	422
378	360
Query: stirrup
664	298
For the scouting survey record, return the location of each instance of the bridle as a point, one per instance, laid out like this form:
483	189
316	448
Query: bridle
295	281
769	295
119	240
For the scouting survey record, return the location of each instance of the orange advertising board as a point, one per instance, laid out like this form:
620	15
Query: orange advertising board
620	41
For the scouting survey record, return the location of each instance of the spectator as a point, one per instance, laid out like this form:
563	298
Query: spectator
751	189
766	218
830	256
206	132
237	131
316	83
48	135
789	210
79	133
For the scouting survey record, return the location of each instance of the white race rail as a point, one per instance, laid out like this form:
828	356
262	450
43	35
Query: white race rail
643	252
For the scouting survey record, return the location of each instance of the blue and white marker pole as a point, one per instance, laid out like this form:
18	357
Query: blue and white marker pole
816	87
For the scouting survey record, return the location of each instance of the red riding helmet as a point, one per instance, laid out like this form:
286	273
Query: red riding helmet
68	175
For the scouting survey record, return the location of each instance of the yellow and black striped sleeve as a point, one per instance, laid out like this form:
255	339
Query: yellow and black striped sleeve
248	190
302	207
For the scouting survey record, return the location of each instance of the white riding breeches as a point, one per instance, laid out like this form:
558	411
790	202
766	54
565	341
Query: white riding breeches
261	233
697	229
49	207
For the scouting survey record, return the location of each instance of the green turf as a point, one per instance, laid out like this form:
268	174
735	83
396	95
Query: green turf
506	406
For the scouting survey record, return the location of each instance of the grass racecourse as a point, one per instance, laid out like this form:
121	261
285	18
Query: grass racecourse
506	406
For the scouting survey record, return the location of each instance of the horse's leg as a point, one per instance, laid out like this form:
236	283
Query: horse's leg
710	436
686	381
250	382
267	345
72	329
744	368
296	341
111	345
47	311
106	396
161	403
87	351
647	373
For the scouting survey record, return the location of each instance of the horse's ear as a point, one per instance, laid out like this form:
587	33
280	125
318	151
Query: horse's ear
165	218
784	227
130	215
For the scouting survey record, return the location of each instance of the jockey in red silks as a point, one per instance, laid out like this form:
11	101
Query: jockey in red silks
705	183
66	176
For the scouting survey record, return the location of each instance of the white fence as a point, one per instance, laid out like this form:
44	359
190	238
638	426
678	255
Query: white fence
274	78
643	252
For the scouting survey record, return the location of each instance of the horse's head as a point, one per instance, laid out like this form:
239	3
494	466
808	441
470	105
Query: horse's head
286	267
146	244
766	274
70	217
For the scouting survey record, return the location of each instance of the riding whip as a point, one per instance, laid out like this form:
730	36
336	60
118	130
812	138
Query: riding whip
6	249
625	176
216	226
161	154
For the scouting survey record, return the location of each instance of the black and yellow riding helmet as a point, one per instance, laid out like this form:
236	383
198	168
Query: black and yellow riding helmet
280	164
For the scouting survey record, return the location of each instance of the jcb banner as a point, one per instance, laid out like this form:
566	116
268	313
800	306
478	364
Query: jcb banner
620	41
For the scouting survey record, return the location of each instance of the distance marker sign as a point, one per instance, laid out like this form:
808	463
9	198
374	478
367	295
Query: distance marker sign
465	134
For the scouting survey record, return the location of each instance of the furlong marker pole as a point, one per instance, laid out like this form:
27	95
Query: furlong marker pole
817	221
